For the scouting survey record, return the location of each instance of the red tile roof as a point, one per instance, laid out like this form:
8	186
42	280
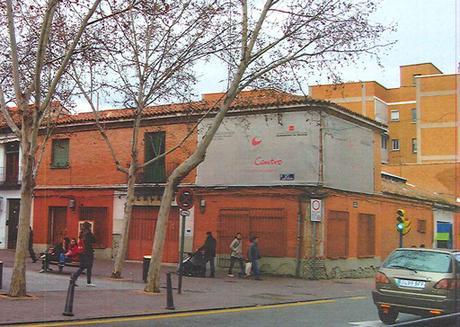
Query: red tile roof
247	99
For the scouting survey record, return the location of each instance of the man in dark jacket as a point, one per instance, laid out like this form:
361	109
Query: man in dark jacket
254	256
209	253
31	245
87	256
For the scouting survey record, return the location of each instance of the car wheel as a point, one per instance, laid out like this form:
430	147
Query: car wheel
389	317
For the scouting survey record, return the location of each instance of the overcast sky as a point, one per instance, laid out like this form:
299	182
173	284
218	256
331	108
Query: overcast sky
428	31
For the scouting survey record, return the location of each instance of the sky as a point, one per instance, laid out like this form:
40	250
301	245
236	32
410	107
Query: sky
427	31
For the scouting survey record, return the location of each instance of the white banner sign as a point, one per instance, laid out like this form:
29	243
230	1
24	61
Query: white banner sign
316	210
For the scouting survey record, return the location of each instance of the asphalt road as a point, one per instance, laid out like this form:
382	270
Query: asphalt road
355	311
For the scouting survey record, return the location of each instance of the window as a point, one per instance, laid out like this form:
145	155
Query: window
97	217
414	145
366	235
420	261
421	226
60	153
395	144
413	112
154	146
12	162
394	115
384	141
337	234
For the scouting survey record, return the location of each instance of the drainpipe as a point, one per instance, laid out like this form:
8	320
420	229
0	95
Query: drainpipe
299	240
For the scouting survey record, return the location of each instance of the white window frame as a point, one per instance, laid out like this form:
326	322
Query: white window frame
414	145
393	115
393	145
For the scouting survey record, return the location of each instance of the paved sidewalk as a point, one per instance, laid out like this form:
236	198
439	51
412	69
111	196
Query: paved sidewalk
124	298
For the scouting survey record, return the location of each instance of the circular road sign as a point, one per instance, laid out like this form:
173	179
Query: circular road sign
184	198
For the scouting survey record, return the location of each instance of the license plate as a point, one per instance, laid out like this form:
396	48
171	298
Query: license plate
410	283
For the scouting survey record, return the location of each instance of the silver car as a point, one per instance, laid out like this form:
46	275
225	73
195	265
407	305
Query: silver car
418	281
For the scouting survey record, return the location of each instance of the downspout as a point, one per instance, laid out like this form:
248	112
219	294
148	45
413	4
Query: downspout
320	151
299	240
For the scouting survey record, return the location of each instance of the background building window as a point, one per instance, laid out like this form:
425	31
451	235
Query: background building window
337	234
366	235
421	226
60	153
394	115
414	145
395	144
384	141
414	115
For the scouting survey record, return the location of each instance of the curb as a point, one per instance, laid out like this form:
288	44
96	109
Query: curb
89	320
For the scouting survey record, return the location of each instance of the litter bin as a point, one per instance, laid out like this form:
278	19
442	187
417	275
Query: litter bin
145	267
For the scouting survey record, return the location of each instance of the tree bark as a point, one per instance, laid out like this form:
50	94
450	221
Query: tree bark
123	247
18	278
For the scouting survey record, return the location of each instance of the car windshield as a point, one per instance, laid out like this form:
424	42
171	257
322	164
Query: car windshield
420	261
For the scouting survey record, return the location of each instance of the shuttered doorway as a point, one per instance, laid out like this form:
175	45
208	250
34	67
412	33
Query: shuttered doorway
269	225
142	229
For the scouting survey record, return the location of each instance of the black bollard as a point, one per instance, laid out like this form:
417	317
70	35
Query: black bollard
69	300
169	293
1	274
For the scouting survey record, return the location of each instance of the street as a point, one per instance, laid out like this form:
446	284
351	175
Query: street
351	311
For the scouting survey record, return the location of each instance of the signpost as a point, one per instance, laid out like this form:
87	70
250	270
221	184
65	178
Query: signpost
184	199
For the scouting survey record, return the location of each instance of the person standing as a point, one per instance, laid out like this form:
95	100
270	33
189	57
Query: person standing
209	253
236	255
86	254
254	256
31	245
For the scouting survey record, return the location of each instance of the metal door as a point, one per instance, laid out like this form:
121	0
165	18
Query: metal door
269	225
142	231
57	224
13	220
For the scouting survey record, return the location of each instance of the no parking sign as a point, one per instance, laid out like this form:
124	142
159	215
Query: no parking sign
316	210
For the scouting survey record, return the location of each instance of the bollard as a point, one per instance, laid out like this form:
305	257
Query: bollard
169	293
1	274
69	300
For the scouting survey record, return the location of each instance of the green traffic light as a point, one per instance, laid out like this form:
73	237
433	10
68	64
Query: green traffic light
400	226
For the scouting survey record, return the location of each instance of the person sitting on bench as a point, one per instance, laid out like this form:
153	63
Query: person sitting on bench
73	254
54	253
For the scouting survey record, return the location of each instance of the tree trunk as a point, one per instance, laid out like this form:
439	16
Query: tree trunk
18	277
123	246
153	279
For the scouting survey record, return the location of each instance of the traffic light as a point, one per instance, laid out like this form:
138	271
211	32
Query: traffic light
402	222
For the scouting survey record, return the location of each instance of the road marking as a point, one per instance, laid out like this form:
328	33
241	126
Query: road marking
357	298
177	315
371	323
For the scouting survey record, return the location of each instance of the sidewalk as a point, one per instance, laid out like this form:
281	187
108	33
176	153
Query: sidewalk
124	298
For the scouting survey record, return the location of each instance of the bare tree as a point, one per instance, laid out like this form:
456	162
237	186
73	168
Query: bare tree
279	41
148	59
39	39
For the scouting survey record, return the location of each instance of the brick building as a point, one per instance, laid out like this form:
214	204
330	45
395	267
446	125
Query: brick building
422	144
274	156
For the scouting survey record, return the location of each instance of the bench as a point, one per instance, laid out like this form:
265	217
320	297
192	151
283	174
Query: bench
75	264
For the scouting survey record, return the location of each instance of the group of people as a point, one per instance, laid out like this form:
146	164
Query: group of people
236	246
71	250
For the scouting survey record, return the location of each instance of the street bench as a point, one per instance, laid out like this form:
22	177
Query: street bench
61	265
